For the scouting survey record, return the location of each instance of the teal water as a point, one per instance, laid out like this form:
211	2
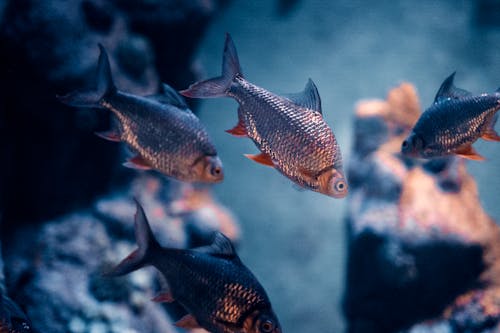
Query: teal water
295	241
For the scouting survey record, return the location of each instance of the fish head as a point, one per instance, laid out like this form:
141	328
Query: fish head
413	146
208	169
262	321
333	183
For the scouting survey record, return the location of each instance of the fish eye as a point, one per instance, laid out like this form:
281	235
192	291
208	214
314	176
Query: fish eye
267	326
405	144
216	171
340	186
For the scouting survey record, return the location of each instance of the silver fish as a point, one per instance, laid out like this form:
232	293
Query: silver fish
453	123
289	130
211	283
161	129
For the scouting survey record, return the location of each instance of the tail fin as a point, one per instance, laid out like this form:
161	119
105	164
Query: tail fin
104	87
147	246
218	86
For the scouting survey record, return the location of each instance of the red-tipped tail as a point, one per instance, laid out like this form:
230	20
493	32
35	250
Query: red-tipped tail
147	245
218	87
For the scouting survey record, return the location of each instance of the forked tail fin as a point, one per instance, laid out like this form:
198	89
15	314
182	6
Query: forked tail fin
147	246
104	86
218	87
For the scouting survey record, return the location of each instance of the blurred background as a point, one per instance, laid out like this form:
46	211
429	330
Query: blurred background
294	241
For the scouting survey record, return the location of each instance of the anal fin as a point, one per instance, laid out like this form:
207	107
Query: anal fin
470	153
137	162
261	158
187	322
239	130
490	134
111	135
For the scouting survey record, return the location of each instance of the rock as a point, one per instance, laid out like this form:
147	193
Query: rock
12	318
56	268
56	164
421	247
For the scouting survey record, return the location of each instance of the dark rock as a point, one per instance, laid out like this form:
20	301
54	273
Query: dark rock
12	318
420	246
54	163
487	13
56	269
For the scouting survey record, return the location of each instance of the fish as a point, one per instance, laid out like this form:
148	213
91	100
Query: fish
163	132
454	121
289	130
217	290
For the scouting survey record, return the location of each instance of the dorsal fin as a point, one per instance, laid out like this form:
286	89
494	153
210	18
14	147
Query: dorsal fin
220	247
168	95
308	98
448	90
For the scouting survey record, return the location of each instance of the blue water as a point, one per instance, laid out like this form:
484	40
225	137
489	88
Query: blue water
295	241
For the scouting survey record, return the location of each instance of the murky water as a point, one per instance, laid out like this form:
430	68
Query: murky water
295	241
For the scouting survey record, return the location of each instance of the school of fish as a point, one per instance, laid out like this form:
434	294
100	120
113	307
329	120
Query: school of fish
217	290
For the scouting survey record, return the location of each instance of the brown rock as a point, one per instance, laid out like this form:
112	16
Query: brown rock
420	245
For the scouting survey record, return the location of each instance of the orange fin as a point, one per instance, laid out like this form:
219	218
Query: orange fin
110	135
164	296
187	322
261	158
239	130
137	162
490	134
470	153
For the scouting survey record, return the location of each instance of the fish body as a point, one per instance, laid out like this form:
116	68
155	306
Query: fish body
289	130
211	283
161	129
453	123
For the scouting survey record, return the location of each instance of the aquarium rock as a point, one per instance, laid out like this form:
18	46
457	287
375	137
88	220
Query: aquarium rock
422	252
55	270
48	48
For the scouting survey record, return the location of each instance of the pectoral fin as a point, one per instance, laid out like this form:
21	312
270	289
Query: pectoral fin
137	162
470	153
187	322
239	130
262	158
111	135
164	296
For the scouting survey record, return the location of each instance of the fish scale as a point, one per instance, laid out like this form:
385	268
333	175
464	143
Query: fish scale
285	133
219	293
453	123
207	287
289	130
160	129
183	136
461	122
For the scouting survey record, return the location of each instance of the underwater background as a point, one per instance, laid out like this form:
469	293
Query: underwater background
294	241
